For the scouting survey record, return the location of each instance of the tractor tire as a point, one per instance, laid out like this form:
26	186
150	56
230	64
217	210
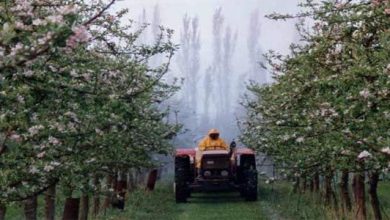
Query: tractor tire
182	177
249	188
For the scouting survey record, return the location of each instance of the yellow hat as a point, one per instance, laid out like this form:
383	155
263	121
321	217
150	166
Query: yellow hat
213	131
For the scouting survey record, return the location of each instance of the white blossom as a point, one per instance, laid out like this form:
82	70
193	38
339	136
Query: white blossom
55	163
285	137
98	131
28	73
364	154
300	139
54	141
20	99
365	93
33	170
386	150
346	152
34	130
48	168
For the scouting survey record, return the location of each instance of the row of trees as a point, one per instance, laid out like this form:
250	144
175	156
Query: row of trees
78	100
326	117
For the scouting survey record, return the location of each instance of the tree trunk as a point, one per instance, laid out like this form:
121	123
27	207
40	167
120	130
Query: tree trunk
345	196
296	185
311	185
84	207
3	210
316	182
304	184
374	179
361	212
30	208
50	202
71	209
132	178
96	197
119	200
152	178
354	191
328	189
107	200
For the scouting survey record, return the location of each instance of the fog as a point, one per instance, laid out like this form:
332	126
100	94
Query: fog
221	46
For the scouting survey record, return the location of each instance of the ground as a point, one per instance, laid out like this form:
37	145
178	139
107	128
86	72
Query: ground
276	201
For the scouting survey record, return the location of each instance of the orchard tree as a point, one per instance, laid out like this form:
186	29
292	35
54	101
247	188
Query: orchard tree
77	96
327	112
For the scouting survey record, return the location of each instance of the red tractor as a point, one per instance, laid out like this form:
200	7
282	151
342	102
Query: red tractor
220	170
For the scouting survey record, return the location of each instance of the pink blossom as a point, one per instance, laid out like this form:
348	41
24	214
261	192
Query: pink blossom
19	46
39	22
68	9
376	2
80	35
387	11
19	25
15	137
54	141
55	19
24	7
339	5
111	18
42	154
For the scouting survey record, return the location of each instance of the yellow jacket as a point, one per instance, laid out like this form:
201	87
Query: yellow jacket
209	144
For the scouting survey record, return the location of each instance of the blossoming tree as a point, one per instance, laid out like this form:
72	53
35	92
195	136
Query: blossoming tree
78	98
327	113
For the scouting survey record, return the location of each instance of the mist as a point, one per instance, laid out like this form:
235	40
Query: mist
221	45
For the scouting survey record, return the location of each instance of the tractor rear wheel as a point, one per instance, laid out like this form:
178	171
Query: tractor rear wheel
249	190
182	176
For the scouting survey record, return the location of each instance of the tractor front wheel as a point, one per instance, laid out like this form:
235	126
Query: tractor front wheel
249	190
182	175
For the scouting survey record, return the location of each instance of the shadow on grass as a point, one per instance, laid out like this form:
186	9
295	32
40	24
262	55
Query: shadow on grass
215	198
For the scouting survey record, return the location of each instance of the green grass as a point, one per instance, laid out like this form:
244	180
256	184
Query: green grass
279	197
160	204
384	198
276	201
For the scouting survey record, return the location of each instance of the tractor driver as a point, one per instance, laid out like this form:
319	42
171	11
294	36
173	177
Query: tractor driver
211	142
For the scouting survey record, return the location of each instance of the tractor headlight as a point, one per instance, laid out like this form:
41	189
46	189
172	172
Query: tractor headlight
207	173
224	173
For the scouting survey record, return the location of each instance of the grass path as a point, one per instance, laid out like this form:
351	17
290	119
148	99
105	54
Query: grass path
160	205
276	202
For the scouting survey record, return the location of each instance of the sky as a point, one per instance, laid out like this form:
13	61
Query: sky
274	35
